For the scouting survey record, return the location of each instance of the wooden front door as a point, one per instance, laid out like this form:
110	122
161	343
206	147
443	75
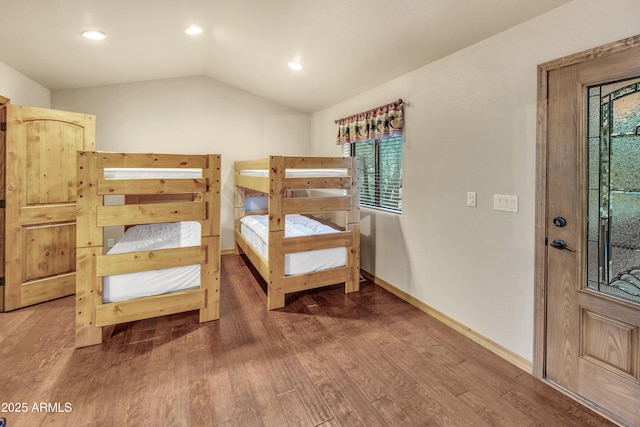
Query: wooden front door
592	226
41	147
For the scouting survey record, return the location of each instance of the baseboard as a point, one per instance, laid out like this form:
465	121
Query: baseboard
485	342
228	252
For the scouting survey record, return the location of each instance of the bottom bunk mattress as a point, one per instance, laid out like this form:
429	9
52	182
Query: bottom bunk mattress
255	229
148	237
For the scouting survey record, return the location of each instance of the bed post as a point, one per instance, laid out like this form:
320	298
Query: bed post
353	225
275	296
238	204
89	240
210	235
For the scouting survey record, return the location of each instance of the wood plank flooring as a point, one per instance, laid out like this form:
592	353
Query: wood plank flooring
326	359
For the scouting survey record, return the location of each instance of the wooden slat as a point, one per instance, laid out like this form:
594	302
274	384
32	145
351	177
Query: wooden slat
254	193
342	182
132	262
316	204
258	183
151	160
252	164
134	199
297	162
258	262
150	213
151	186
148	307
48	214
322	241
302	282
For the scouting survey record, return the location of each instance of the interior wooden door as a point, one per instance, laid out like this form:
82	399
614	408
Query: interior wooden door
41	147
593	321
3	112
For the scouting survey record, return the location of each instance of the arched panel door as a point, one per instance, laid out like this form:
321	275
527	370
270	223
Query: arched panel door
41	148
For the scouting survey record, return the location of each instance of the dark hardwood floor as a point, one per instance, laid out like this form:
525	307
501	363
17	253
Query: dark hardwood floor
326	359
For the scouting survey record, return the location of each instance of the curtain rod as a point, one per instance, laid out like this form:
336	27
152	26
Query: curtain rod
399	101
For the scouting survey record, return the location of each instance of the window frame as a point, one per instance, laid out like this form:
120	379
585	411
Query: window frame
350	149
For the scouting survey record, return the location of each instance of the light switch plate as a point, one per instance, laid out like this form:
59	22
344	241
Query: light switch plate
471	199
505	203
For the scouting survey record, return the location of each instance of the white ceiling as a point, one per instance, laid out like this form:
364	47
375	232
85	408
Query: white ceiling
346	46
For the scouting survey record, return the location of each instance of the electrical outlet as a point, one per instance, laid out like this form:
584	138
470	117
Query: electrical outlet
110	243
471	199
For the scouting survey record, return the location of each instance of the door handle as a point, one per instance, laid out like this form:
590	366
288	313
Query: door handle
562	245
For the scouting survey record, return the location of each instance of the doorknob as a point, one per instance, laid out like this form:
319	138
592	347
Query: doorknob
561	244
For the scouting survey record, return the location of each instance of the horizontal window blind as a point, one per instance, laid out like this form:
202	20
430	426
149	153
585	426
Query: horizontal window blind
380	172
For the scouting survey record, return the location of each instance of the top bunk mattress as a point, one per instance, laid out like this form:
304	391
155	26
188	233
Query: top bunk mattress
297	173
148	237
151	173
255	229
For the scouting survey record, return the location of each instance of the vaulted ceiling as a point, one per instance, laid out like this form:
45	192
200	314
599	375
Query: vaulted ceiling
345	46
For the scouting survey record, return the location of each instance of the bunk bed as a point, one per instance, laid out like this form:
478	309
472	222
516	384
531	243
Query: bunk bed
292	250
168	260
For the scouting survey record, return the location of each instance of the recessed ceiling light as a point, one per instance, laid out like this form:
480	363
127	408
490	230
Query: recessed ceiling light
295	65
94	35
193	30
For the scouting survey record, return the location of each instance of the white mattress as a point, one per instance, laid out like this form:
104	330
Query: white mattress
154	282
298	173
255	229
148	173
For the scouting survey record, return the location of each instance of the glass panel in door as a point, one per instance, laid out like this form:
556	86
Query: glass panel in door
614	189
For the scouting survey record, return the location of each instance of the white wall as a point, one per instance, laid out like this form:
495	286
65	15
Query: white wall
21	90
192	115
471	126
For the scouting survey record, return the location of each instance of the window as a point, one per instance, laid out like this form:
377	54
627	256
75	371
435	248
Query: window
376	137
380	172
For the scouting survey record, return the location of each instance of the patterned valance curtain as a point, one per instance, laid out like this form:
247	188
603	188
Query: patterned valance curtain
384	121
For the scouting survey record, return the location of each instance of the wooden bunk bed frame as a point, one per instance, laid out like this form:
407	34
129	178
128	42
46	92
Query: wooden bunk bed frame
180	200
279	190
